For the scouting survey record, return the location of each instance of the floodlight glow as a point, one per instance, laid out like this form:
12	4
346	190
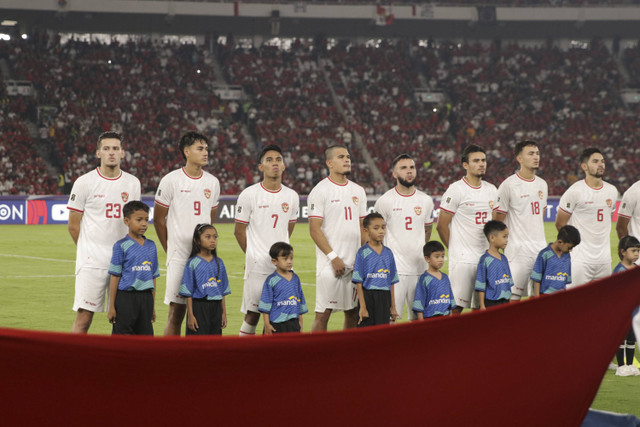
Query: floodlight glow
8	23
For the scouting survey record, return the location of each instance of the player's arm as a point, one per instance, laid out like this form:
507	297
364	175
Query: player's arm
318	237
214	211
113	289
240	231
444	226
74	225
292	225
622	226
427	232
364	313
481	295
224	312
498	216
268	327
562	219
394	312
192	323
300	321
363	233
153	293
160	223
536	289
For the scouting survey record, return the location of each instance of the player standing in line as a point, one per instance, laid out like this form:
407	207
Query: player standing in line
465	208
95	224
185	198
336	209
588	205
266	213
408	213
629	213
522	199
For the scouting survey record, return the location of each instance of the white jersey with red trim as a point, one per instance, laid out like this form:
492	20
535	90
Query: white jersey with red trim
190	201
471	208
100	201
268	215
591	209
524	202
406	217
630	208
340	207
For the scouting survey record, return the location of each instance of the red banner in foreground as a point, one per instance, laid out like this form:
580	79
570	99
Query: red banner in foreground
528	364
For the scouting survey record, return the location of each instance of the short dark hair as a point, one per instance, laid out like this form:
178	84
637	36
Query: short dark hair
328	152
569	234
280	249
470	149
266	148
367	219
493	227
402	156
132	206
587	153
431	247
627	242
520	146
109	135
190	138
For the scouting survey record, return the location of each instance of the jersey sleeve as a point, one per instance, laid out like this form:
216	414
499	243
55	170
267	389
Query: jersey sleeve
381	207
627	205
429	219
394	271
452	296
117	259
481	276
187	286
450	200
243	208
303	302
538	269
156	273
138	189
224	279
315	202
568	274
266	298
216	194
502	204
358	268
164	194
295	209
614	198
78	196
568	201
420	298
362	206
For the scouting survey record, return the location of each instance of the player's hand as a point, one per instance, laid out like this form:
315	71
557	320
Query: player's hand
192	324
269	329
224	320
112	315
394	314
153	316
338	266
364	314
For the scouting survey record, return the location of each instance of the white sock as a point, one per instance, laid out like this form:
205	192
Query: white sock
247	329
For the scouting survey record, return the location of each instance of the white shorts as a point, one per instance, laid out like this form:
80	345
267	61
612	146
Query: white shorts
404	291
175	271
463	284
582	273
335	293
92	284
521	273
253	283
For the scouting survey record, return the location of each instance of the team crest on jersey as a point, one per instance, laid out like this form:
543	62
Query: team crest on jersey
239	209
285	207
540	194
125	196
418	210
355	200
609	202
448	199
207	193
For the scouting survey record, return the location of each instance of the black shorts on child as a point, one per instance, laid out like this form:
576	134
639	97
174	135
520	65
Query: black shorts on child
379	307
208	314
134	311
291	325
490	302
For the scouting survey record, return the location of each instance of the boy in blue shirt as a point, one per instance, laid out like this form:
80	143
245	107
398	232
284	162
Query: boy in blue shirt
494	280
282	302
433	290
552	269
133	269
374	274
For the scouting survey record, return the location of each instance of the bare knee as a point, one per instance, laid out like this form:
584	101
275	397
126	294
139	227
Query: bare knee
252	318
82	321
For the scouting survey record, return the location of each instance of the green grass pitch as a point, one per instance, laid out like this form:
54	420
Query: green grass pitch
37	285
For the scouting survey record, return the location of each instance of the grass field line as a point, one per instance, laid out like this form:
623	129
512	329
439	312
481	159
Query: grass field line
37	258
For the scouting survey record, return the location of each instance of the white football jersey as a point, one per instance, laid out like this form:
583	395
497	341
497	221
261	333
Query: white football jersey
406	217
630	208
591	210
268	214
189	201
524	202
100	201
471	208
340	207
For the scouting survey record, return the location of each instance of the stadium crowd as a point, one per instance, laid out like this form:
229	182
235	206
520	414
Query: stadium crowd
151	92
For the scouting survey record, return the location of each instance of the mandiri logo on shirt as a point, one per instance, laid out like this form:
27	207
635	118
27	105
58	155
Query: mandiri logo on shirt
146	266
380	274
